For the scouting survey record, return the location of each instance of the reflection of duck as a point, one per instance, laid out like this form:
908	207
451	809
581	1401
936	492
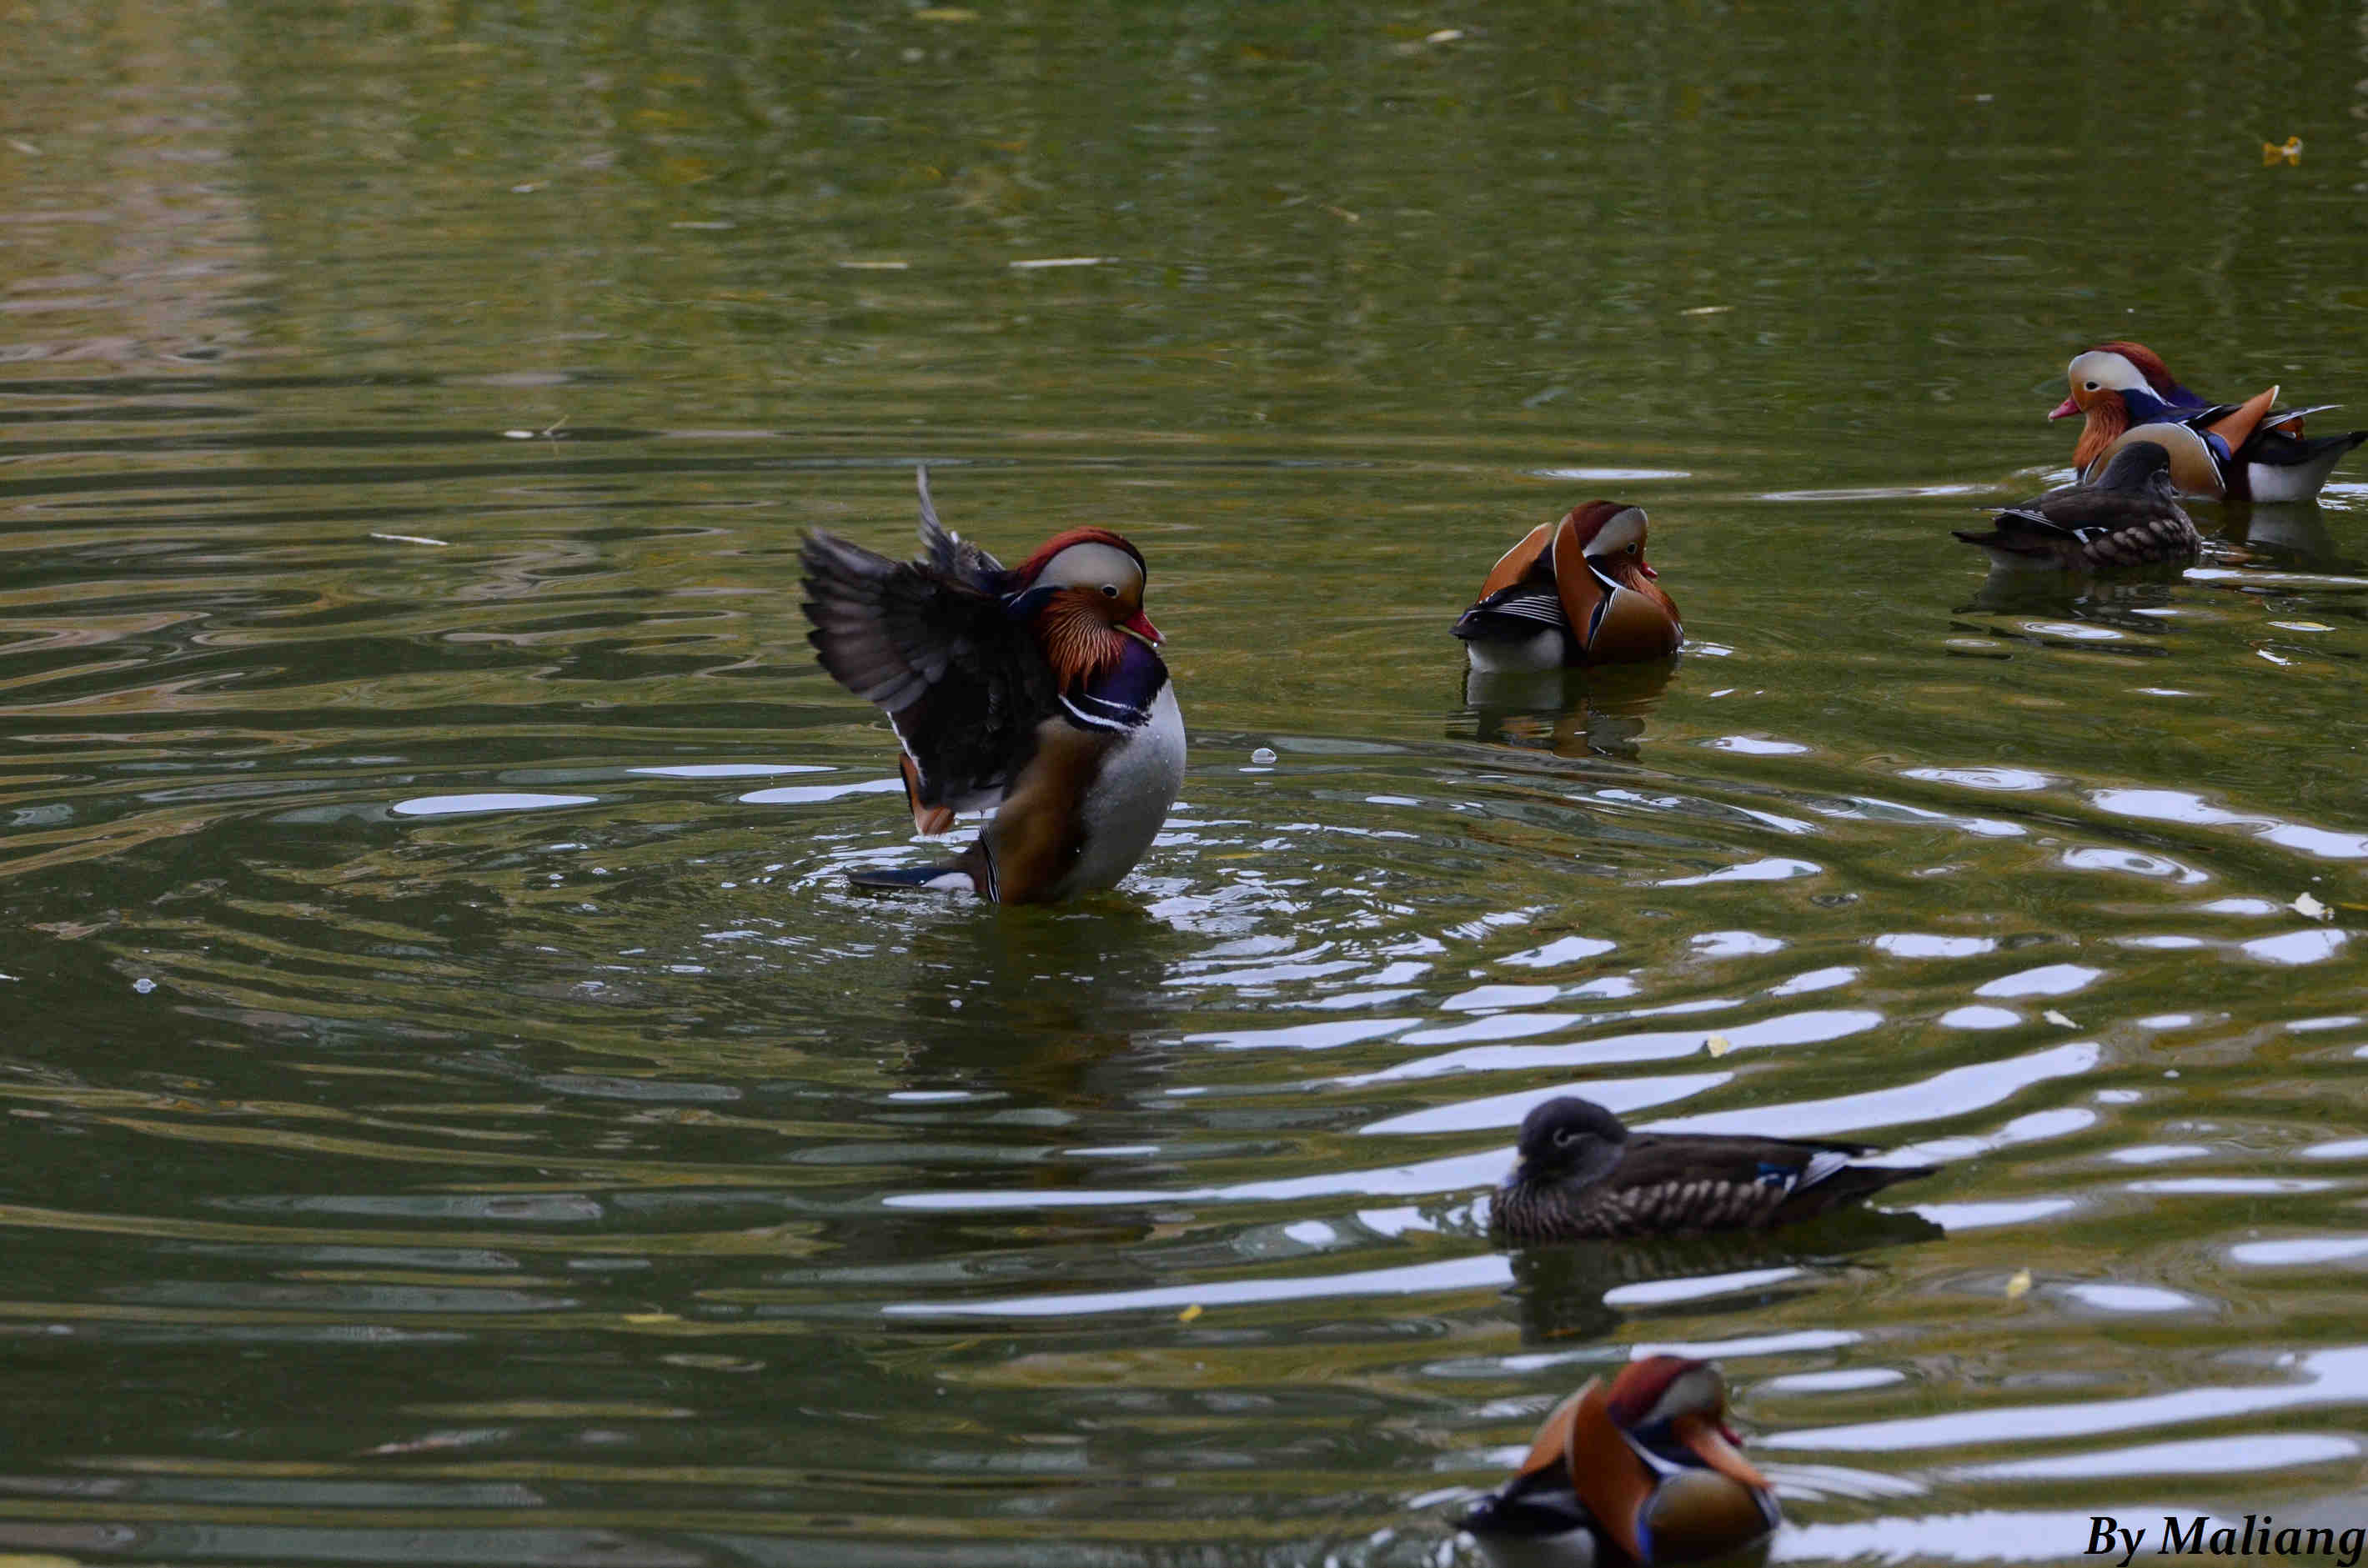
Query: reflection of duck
1581	1174
1038	691
1566	1293
2229	449
2129	516
1577	593
2295	533
1568	712
1646	1467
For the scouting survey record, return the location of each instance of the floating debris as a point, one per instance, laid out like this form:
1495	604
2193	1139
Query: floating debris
1706	310
1039	265
874	265
2061	1020
1188	1314
410	538
2018	1286
1444	35
2310	908
2290	152
1264	757
1718	1044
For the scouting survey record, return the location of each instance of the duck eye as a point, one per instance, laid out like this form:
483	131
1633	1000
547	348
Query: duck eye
2090	387
1566	1138
1109	590
1634	548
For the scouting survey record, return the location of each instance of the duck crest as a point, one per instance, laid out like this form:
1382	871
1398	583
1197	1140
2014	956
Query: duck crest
1641	1385
2149	363
1024	576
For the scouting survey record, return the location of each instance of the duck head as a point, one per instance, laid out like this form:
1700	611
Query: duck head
1649	1464
2139	465
2120	386
1566	1140
1083	593
1617	611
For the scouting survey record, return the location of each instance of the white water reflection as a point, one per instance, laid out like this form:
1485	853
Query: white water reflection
1483	1272
488	801
2236	1453
2313	1377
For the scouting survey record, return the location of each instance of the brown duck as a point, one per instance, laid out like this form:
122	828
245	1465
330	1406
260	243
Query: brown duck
1579	592
1580	1174
1644	1470
2129	516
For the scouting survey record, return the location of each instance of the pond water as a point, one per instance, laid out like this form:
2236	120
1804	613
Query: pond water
457	1113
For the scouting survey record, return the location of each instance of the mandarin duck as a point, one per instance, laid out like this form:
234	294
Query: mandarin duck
1643	1472
2238	451
1036	691
1577	592
2129	516
1580	1174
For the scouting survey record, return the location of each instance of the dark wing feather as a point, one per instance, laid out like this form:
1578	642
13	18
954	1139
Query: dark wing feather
962	683
1847	1184
2022	530
2280	449
2088	507
1717	1182
952	554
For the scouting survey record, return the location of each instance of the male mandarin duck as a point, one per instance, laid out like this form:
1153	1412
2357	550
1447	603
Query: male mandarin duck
1643	1472
2218	450
1580	1174
1577	592
1037	691
2129	516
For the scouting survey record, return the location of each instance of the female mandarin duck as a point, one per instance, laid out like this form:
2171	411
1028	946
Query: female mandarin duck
1577	591
1036	691
1580	1175
2129	516
2218	450
1644	1472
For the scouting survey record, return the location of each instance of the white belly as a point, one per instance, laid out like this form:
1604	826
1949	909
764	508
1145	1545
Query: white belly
2301	482
1130	797
1541	652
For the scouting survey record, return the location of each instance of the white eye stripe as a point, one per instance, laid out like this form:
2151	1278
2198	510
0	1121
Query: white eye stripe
1091	565
1625	527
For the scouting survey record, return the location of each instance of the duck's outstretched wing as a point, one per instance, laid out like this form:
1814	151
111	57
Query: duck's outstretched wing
963	684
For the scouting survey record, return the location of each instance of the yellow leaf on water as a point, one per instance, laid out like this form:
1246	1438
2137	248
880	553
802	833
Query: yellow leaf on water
1188	1314
2019	1286
651	1317
945	14
1718	1044
2291	153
